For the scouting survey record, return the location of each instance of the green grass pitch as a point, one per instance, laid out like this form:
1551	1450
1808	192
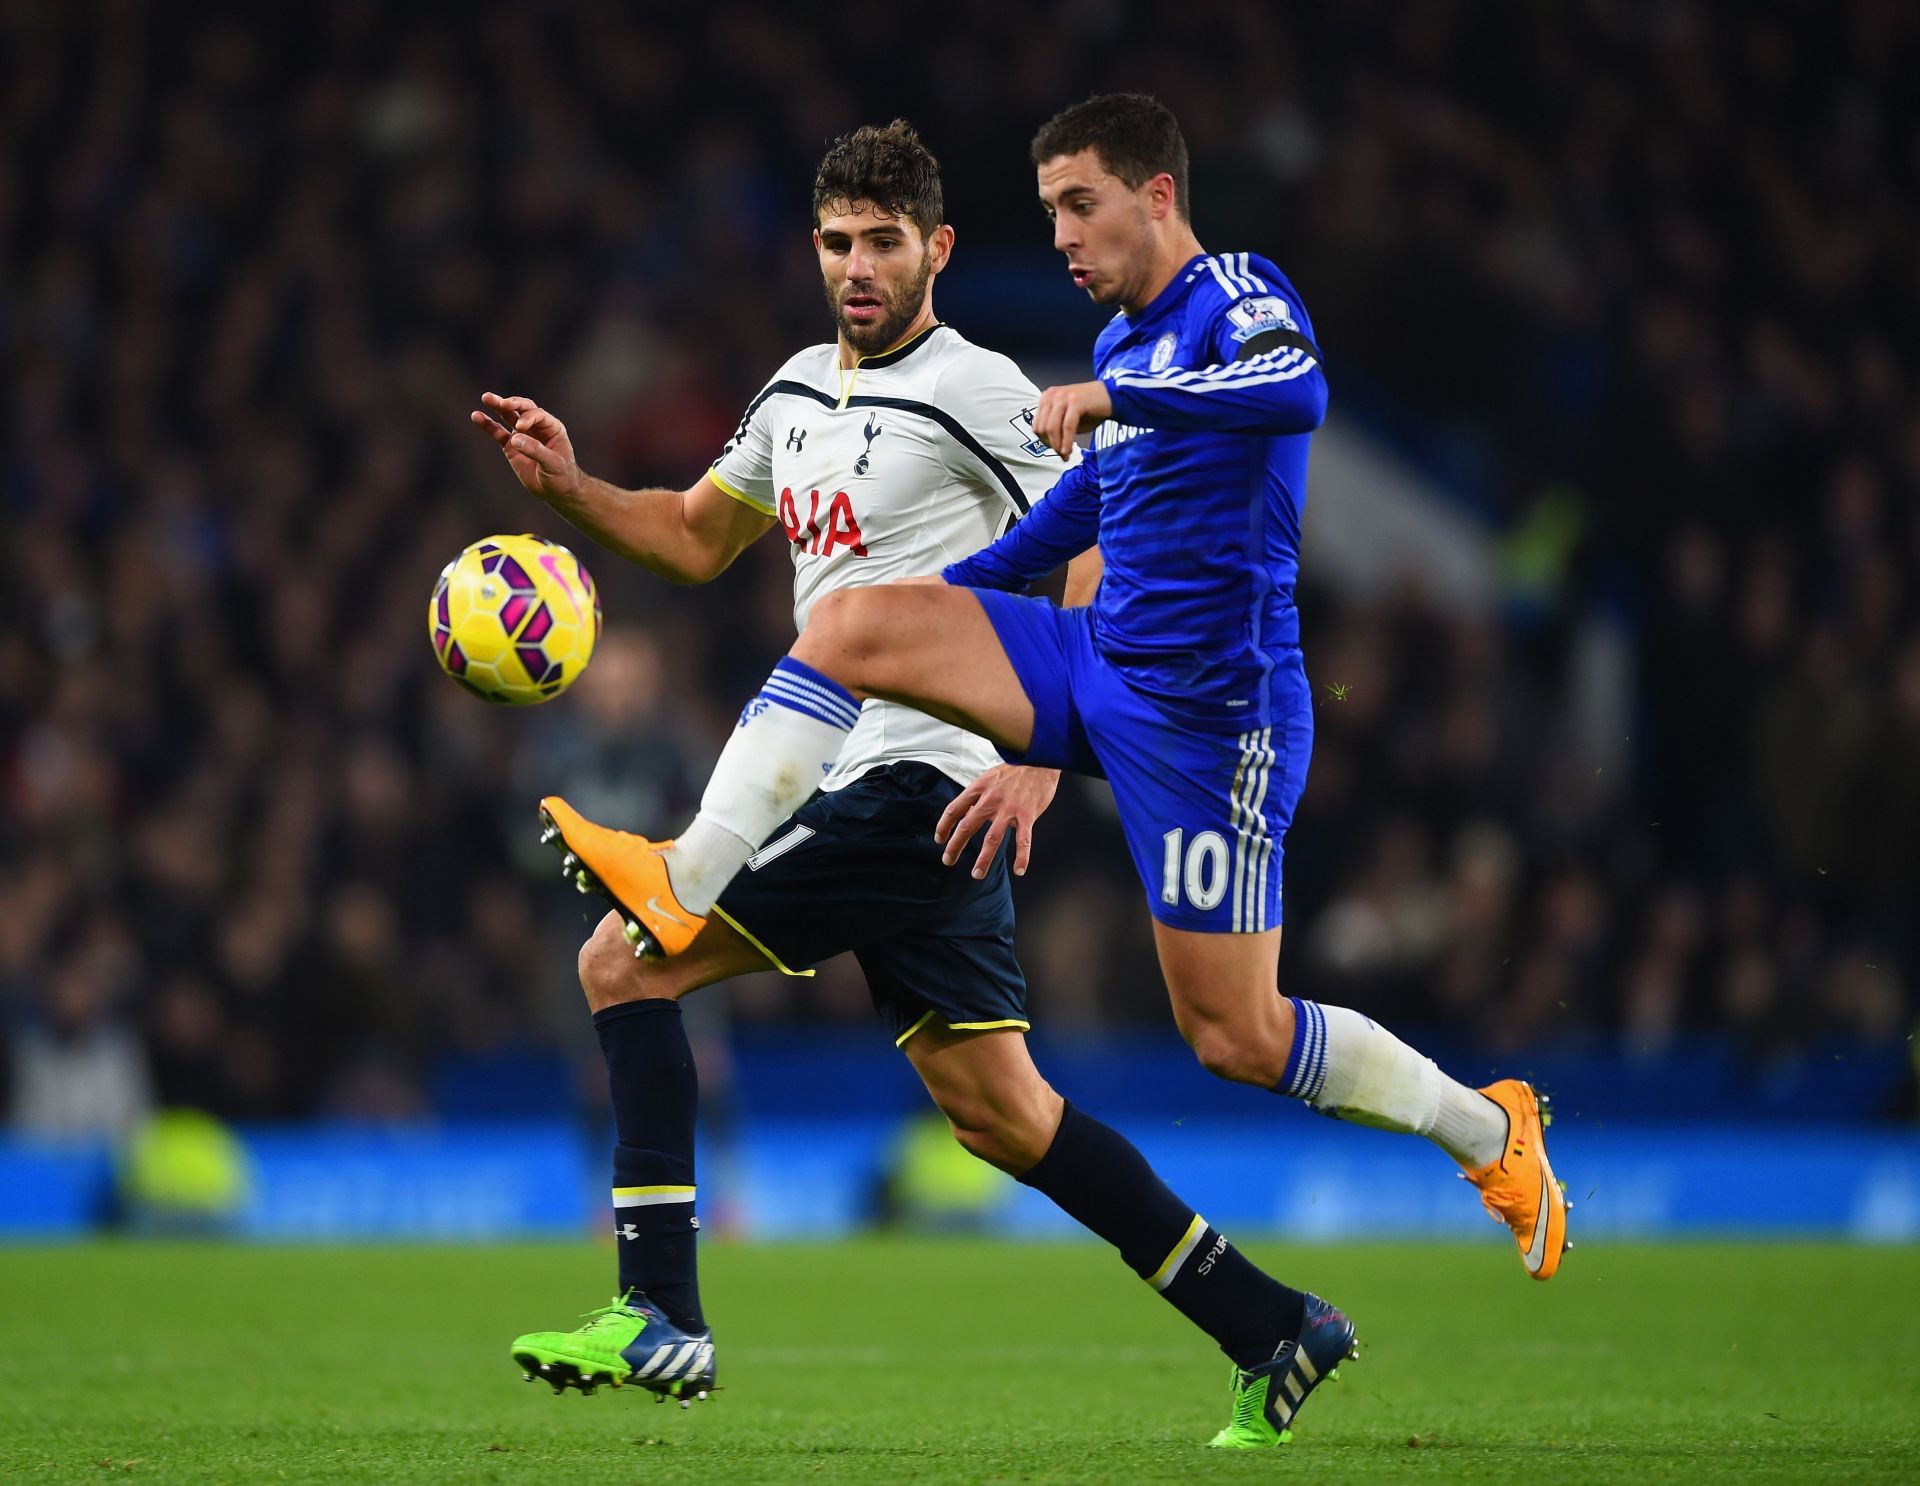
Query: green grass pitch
931	1361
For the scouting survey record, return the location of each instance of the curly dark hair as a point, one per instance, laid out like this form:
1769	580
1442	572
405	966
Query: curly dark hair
1136	137
888	168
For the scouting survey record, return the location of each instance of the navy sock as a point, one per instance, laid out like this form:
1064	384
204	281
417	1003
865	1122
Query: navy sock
656	1094
1099	1179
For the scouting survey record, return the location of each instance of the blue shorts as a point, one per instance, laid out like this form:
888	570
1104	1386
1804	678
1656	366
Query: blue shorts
1203	813
857	869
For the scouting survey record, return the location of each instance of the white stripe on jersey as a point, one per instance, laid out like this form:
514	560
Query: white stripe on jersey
1231	271
1257	906
1236	815
1261	365
1253	844
1256	371
1260	889
1246	799
1220	276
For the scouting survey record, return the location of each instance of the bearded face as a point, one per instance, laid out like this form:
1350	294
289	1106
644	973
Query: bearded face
876	270
872	314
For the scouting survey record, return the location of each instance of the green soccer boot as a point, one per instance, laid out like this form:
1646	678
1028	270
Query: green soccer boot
629	1341
1266	1398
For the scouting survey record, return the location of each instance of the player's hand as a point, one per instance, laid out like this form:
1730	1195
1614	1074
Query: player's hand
1067	412
1005	798
535	443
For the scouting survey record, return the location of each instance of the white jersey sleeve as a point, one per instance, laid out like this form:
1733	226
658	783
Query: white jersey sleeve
994	404
745	467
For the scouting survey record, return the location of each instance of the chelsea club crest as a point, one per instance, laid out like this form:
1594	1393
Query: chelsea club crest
1163	352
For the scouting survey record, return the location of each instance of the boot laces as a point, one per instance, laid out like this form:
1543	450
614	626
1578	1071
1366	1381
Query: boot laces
608	1316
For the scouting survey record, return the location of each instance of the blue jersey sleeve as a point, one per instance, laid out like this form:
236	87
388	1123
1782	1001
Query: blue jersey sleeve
1260	370
1057	529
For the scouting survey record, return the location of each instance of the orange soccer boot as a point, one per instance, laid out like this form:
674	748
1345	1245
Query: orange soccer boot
629	870
1519	1189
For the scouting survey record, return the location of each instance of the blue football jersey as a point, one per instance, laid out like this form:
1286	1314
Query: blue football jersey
1194	490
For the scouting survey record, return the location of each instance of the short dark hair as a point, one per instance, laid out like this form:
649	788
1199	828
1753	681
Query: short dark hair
889	169
1136	137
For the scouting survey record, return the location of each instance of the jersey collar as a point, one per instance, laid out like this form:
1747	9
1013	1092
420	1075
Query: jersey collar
899	353
1165	300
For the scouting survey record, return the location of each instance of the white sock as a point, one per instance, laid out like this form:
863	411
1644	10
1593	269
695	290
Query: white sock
786	741
703	859
1349	1067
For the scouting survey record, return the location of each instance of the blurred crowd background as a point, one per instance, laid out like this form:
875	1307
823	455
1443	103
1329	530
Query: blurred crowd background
1637	284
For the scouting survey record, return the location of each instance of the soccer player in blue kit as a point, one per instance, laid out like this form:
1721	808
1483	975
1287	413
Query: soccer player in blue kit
1182	684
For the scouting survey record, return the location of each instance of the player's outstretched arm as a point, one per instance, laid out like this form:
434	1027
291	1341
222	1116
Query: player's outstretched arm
685	536
1057	529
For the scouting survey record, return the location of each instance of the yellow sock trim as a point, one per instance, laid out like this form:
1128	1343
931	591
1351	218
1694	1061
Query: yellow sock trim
1163	1276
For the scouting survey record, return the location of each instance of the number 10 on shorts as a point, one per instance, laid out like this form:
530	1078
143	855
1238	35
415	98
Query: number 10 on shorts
1199	866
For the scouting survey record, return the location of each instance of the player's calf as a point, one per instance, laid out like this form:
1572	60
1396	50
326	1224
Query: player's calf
1255	1056
999	1107
1011	1148
1012	1135
1225	1001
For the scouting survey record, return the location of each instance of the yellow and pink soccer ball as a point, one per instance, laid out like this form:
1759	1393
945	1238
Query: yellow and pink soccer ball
514	619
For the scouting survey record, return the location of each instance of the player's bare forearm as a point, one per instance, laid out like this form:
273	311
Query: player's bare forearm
685	536
643	526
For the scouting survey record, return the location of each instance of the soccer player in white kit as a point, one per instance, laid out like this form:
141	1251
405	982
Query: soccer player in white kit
885	455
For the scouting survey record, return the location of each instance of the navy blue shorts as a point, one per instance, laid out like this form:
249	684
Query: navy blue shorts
858	869
1204	813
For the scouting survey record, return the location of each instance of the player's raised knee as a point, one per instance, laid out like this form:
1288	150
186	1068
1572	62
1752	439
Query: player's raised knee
863	637
851	620
609	971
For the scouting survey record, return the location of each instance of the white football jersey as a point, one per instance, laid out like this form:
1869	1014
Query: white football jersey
891	468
